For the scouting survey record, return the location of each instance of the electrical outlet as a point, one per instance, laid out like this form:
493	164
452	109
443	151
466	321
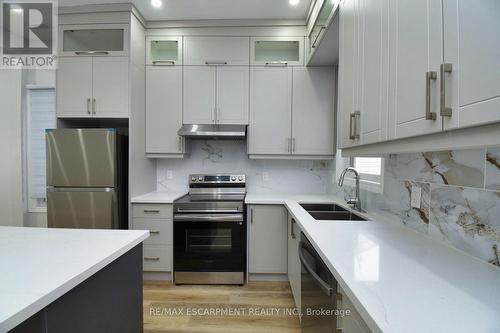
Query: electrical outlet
265	176
170	174
416	196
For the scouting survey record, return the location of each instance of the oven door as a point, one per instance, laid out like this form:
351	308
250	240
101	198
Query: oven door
209	243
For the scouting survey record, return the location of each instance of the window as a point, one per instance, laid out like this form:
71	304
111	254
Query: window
371	171
41	115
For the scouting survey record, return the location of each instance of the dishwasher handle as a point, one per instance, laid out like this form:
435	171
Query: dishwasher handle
325	287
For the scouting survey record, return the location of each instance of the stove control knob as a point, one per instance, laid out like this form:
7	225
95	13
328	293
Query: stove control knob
200	179
233	178
240	178
193	179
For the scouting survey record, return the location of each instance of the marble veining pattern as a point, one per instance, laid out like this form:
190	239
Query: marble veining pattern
460	168
468	219
228	156
459	204
492	173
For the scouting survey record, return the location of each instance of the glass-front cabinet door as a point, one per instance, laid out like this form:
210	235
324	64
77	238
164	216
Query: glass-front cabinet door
93	40
276	51
163	51
322	21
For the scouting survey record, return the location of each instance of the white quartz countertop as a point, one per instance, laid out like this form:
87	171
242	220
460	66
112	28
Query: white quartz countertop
38	265
158	197
402	281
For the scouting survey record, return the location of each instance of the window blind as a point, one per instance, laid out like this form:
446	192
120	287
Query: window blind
368	165
42	115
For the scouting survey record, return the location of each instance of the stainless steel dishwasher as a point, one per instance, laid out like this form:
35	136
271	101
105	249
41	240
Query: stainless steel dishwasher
318	291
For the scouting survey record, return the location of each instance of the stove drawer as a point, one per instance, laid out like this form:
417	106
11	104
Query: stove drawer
162	211
160	230
157	258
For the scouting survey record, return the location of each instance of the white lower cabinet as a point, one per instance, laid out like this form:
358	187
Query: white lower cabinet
353	323
294	265
158	248
164	111
267	245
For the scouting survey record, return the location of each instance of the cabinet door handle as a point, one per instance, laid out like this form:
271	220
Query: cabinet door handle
217	115
93	106
152	258
92	53
292	229
317	37
163	63
351	134
353	127
154	232
88	105
357	119
180	143
429	76
251	215
215	63
277	64
154	211
445	111
293	145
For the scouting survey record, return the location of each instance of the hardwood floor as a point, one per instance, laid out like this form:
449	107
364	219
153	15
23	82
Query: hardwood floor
255	307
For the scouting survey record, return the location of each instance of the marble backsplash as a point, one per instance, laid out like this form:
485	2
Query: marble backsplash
229	156
460	202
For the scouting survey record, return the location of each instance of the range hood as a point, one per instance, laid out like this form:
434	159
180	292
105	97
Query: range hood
213	131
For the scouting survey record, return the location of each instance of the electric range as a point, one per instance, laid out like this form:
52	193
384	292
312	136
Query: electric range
210	231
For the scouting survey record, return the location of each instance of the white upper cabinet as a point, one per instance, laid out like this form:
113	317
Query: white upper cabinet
232	95
416	49
216	51
313	111
164	110
110	87
269	131
472	48
74	96
199	94
275	51
92	87
216	95
101	39
348	66
163	51
373	70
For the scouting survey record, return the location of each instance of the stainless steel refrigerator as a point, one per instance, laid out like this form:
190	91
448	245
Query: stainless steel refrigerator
87	177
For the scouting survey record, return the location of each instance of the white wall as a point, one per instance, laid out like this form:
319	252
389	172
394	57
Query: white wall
11	203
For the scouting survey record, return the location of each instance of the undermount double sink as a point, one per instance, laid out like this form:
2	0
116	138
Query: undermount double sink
330	212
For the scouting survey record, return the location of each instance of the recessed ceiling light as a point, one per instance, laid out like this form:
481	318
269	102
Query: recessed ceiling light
156	3
294	2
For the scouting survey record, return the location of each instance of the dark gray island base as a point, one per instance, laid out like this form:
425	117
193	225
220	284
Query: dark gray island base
110	301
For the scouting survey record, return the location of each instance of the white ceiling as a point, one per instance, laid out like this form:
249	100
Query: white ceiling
211	9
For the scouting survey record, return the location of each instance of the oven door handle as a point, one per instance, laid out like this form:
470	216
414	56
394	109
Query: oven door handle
215	210
208	217
327	289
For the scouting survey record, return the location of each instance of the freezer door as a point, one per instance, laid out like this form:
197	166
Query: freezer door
81	157
82	208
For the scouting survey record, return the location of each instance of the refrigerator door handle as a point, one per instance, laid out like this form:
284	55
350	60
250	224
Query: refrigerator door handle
80	189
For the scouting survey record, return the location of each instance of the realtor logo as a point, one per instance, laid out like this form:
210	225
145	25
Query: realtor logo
28	34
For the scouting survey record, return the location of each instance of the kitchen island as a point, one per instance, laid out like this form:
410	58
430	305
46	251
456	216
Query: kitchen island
70	280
